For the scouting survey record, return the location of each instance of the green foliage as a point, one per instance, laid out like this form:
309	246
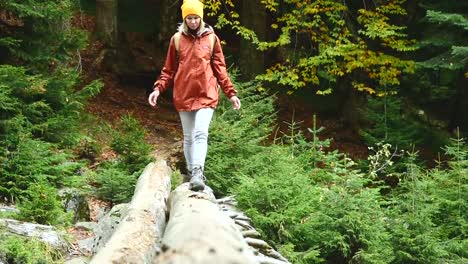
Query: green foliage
442	61
315	206
326	212
37	110
67	103
385	118
19	250
116	179
438	17
115	184
451	50
46	107
235	138
391	120
129	142
34	161
41	98
310	204
428	216
42	205
176	179
43	35
324	43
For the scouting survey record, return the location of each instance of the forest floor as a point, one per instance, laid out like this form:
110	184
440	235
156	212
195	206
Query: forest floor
161	123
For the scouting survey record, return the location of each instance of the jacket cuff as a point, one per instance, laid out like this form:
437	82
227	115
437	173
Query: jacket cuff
156	86
231	94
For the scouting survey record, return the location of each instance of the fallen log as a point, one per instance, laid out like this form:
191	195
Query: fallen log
136	238
199	232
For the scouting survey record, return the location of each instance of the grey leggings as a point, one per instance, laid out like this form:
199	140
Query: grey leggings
195	125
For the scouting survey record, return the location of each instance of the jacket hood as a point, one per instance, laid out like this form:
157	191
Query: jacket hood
205	29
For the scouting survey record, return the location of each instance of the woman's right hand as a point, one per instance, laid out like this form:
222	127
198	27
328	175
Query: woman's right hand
153	98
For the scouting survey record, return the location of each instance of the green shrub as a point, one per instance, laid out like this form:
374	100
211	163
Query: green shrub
235	138
428	218
114	182
46	107
42	205
312	205
34	161
176	179
18	250
129	142
316	206
320	218
37	111
47	39
388	119
67	105
41	98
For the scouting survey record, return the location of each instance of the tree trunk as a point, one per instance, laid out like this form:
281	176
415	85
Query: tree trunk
106	22
460	106
136	238
350	105
170	16
251	60
199	232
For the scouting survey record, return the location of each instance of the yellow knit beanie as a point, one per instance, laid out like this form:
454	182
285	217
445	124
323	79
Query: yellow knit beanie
192	7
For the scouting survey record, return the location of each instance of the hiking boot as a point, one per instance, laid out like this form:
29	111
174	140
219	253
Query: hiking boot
186	176
197	180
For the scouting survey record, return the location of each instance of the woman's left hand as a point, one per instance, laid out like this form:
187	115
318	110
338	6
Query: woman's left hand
236	104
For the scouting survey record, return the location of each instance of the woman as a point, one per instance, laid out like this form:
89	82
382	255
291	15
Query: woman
195	66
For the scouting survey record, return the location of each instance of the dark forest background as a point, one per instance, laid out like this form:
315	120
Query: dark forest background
349	147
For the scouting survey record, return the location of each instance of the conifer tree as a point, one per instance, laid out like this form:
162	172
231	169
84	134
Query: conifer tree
442	69
39	33
39	100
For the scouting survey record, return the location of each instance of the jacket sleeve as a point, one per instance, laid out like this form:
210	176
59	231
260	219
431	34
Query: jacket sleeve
166	79
220	72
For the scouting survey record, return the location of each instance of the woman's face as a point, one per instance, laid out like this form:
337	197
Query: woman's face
193	21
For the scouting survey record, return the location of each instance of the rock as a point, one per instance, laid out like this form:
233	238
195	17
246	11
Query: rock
86	245
98	208
107	224
45	233
75	202
89	226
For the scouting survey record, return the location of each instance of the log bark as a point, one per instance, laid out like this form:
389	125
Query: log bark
137	236
199	232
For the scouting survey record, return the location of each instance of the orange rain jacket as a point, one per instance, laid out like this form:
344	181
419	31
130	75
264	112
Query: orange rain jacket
195	73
